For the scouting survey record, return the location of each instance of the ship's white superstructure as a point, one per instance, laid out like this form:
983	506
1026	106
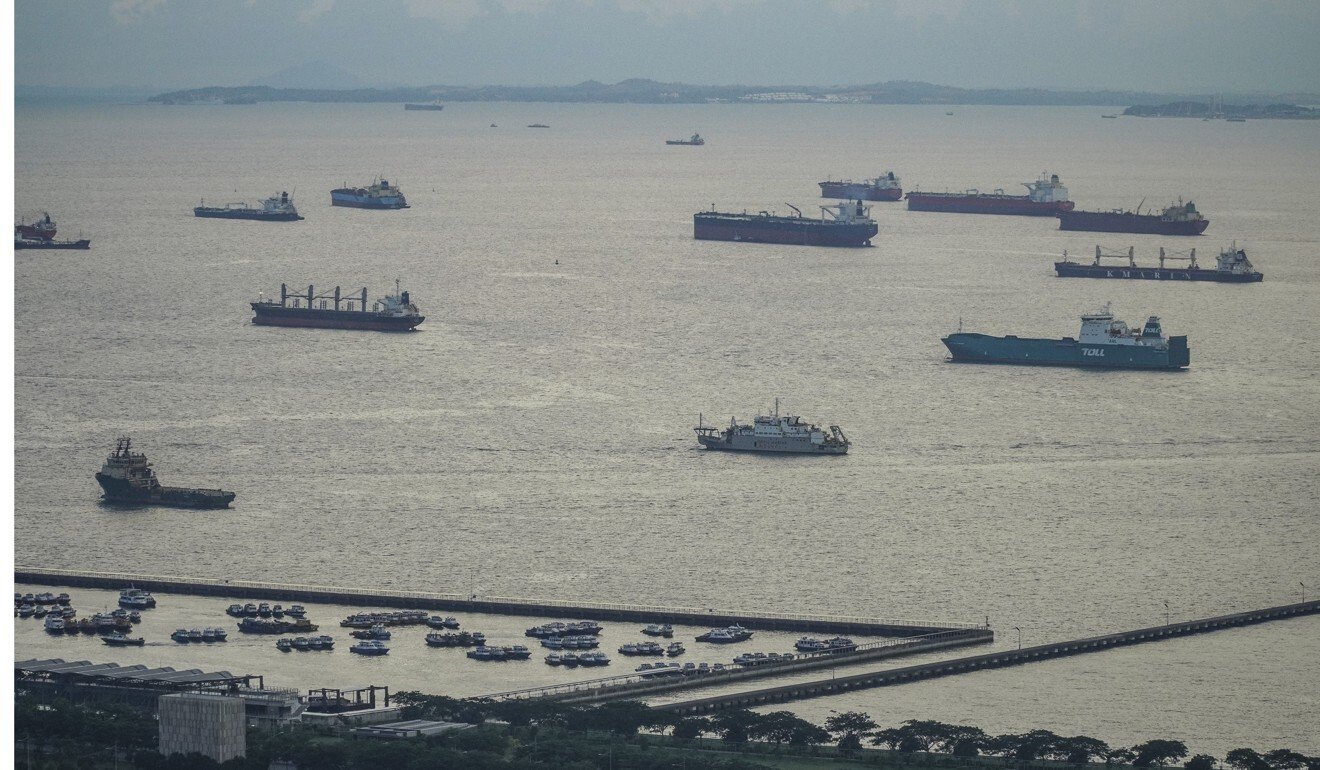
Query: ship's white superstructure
1047	189
1101	328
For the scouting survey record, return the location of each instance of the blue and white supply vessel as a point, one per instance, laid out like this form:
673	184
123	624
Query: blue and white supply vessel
1103	343
380	195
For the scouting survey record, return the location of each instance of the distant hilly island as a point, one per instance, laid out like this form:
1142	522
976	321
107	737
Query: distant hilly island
642	91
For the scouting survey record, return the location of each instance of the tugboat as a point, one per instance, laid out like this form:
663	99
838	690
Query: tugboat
394	312
127	479
1046	197
845	224
122	640
1233	267
380	195
1103	343
276	208
886	187
1182	219
773	433
694	141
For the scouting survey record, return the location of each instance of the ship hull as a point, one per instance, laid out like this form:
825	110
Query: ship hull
1025	351
120	492
351	200
1074	270
1013	205
257	214
424	107
787	230
309	318
80	244
770	445
1127	222
856	191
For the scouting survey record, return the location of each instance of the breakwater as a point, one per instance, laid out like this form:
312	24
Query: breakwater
754	698
636	685
386	597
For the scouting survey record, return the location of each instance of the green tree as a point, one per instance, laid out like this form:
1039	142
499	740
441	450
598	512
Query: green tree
849	727
1286	759
735	725
1200	762
1080	749
1246	759
687	728
779	727
1158	752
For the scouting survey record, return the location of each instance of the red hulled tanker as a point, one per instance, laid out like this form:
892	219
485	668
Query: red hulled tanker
1046	197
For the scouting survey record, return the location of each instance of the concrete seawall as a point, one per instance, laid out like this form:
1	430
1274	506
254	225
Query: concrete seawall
957	666
384	597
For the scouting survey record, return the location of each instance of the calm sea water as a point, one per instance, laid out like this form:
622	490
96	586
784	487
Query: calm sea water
533	438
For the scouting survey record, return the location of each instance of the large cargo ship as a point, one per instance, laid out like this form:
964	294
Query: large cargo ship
773	433
393	312
423	106
846	224
127	478
1232	267
694	141
1181	219
276	208
1103	343
1045	197
380	195
886	187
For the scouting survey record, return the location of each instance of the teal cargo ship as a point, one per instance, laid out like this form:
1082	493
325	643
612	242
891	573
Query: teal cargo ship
1104	343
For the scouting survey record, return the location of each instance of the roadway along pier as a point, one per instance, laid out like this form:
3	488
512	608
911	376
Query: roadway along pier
636	685
754	698
384	597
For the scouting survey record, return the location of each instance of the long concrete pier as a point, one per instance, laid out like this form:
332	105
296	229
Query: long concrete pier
634	685
385	597
895	676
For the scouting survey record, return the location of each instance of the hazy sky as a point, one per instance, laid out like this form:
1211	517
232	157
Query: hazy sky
1161	45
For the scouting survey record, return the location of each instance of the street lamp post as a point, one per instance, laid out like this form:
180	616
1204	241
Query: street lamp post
1303	585
1166	612
1019	630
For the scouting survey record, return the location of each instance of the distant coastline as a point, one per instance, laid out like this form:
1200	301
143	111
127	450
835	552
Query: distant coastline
1216	111
641	91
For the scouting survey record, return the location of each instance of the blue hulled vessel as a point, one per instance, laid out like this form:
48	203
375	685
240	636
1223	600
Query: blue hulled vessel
1104	343
380	195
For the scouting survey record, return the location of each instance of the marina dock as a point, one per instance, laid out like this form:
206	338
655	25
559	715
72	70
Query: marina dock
634	685
755	698
384	597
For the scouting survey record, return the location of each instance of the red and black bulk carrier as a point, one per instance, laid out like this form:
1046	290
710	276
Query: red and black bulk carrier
1182	219
1046	197
844	224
